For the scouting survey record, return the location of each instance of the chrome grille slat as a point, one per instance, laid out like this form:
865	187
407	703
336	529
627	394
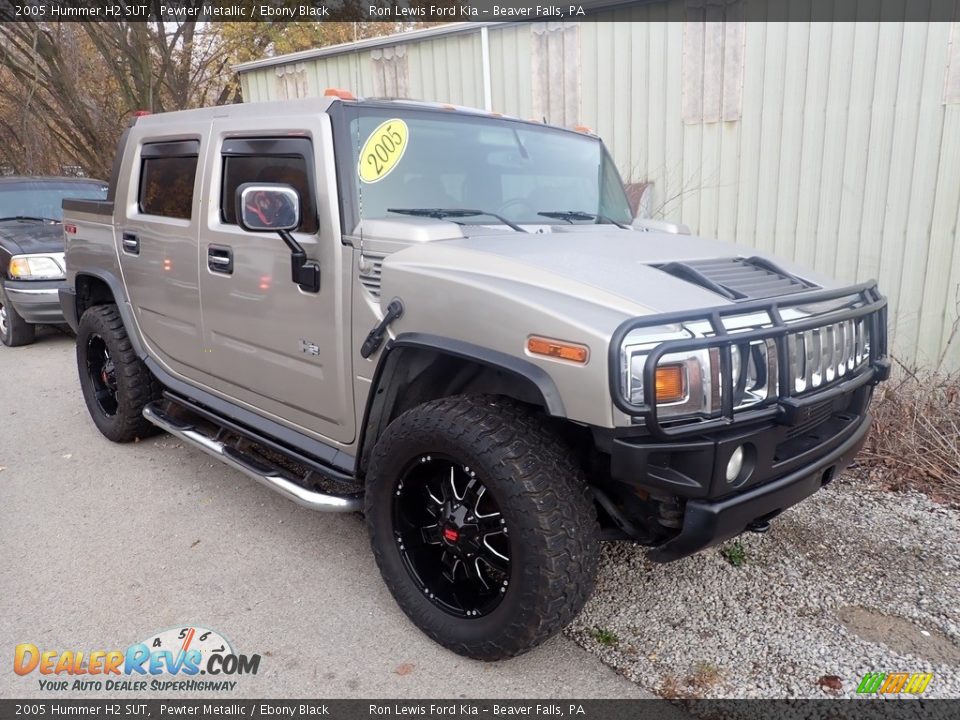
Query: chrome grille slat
821	356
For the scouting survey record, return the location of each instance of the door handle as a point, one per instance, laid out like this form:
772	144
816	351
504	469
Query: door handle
131	244
220	259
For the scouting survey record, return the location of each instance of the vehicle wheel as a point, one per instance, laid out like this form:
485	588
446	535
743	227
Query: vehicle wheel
14	330
482	525
116	384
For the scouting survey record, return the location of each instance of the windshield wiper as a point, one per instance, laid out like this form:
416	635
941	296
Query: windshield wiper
444	213
571	215
29	217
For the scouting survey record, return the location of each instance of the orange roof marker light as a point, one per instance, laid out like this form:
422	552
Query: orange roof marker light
583	129
338	93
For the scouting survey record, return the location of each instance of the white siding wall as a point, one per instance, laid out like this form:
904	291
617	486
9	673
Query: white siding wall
845	155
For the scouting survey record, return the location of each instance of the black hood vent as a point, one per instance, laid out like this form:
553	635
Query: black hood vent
738	279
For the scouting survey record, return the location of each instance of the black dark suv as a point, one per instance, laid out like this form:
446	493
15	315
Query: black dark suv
32	268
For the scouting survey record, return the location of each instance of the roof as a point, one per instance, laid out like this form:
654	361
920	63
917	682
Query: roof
272	108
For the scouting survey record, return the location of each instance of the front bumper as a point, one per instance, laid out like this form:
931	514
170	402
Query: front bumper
36	301
709	522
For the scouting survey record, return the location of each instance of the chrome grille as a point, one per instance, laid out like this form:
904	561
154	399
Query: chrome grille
821	355
370	268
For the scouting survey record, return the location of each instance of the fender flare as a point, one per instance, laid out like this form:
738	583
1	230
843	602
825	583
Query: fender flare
116	288
518	368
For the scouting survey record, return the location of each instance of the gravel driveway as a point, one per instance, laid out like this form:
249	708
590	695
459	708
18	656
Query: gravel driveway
851	581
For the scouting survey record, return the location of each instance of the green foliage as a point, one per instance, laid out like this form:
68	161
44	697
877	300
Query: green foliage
735	553
605	637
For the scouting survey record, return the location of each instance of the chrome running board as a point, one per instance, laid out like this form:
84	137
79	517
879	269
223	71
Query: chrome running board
259	471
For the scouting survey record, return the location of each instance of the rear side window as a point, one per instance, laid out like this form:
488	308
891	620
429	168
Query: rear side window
167	174
288	161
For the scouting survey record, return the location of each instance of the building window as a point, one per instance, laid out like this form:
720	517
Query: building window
167	174
267	160
713	38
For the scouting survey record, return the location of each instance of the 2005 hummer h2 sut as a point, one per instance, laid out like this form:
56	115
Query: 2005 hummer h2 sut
448	320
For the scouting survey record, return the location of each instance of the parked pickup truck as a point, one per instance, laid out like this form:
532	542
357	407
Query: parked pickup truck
31	251
448	320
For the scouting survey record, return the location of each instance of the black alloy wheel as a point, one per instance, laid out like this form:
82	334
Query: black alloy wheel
452	536
116	384
103	374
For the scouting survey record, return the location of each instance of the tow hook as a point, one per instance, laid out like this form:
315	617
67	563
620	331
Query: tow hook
759	526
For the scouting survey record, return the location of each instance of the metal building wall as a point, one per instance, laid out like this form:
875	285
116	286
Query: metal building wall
844	154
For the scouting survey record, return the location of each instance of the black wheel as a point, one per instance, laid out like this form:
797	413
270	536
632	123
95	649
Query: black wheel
482	525
14	330
116	384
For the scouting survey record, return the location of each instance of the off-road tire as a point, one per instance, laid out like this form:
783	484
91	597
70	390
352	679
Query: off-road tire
544	499
14	331
135	385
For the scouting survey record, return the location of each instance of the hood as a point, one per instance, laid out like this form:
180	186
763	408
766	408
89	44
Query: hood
638	273
31	236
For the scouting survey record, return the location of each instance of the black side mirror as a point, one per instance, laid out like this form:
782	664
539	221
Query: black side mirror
272	207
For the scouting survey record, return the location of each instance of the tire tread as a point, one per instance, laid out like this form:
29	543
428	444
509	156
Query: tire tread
546	481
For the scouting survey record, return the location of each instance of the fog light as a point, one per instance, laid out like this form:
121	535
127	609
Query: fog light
735	464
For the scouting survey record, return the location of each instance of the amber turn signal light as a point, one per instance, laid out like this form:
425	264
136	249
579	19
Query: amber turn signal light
670	383
558	349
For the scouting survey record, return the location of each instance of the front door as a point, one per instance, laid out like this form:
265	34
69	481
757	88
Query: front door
276	348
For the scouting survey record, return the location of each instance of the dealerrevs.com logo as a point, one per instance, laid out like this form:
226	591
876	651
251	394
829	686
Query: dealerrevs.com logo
171	660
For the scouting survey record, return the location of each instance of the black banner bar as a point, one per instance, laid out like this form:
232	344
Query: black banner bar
122	707
478	10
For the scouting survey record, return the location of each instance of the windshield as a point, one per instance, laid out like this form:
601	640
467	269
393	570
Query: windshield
427	160
40	199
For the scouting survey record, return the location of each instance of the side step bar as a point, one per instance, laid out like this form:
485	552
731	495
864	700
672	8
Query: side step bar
260	472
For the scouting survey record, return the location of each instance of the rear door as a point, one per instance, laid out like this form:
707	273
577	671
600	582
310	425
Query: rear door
268	343
157	241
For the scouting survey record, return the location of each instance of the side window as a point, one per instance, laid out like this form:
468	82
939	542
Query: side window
167	174
287	161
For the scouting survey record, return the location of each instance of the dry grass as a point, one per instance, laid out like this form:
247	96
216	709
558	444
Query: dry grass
915	440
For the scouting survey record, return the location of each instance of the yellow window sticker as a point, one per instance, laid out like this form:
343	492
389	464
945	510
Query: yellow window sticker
383	150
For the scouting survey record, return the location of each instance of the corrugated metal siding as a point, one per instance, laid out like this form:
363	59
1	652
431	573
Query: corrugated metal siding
448	69
845	157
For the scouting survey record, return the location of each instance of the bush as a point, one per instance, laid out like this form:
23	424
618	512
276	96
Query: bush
915	440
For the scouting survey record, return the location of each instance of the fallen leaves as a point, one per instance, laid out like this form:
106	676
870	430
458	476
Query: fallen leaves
830	682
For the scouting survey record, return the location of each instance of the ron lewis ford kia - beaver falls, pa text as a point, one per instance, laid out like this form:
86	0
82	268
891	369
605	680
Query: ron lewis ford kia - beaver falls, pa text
449	321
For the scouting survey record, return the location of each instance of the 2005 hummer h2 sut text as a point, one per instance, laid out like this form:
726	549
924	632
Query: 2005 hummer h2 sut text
446	319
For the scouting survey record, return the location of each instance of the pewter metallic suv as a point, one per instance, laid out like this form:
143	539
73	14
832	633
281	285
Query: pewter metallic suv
449	321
